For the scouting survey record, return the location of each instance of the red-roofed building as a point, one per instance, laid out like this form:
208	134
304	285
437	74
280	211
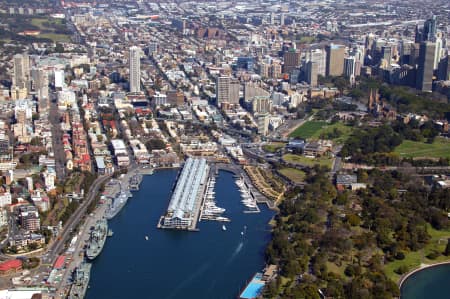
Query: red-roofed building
9	267
59	263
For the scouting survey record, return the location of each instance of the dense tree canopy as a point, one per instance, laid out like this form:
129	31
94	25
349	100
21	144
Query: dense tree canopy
317	230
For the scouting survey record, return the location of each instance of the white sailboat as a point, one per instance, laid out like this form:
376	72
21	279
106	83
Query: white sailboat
224	227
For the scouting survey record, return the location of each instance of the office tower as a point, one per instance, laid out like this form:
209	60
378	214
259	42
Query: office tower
349	66
406	49
275	70
272	18
335	60
386	53
21	71
437	53
152	48
246	63
318	56
369	41
40	82
253	90
312	73
418	34
135	69
264	70
179	24
233	97
291	60
227	90
427	32
282	19
261	104
414	58
222	89
429	29
262	119
59	78
444	68
294	76
424	79
358	53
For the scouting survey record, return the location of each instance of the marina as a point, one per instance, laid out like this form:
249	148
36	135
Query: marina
248	199
209	209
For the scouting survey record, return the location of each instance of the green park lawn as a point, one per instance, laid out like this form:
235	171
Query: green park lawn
305	161
39	22
295	175
273	146
440	148
56	37
315	129
308	129
414	259
46	25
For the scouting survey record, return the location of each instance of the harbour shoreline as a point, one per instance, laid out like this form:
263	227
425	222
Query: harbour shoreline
421	267
100	211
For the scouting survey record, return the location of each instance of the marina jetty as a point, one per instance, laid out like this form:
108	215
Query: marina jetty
186	201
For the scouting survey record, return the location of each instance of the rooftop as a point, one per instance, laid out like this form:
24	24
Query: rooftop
5	266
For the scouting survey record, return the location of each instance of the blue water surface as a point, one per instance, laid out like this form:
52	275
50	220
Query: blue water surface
211	263
429	283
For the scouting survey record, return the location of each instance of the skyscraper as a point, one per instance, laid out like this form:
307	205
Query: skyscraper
386	53
349	66
291	60
437	54
135	69
424	78
262	120
312	73
227	90
429	29
21	71
318	56
444	68
427	32
406	51
233	96
40	81
335	60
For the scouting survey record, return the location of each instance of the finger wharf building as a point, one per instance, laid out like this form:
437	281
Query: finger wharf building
185	203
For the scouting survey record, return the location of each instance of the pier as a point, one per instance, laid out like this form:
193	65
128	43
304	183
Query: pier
185	204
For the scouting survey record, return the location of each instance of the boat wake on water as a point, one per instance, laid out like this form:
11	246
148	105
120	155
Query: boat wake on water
236	252
186	282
